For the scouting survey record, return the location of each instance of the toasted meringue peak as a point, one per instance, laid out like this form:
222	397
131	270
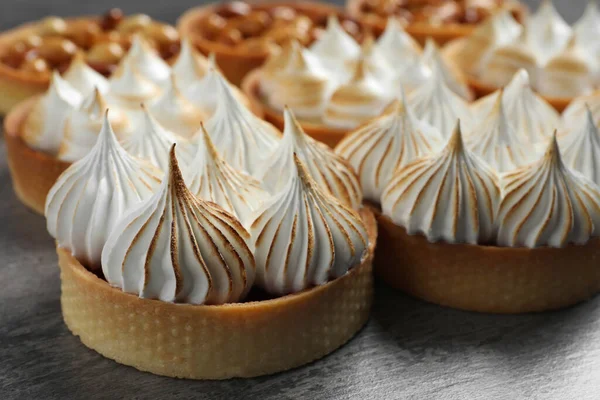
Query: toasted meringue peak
211	178
361	99
396	46
548	33
451	75
305	85
204	92
496	141
191	65
335	46
411	76
387	143
44	126
84	78
304	237
581	149
436	104
151	141
530	115
177	248
176	113
449	196
90	197
374	63
587	29
331	172
546	204
83	124
574	115
147	61
241	137
129	88
276	63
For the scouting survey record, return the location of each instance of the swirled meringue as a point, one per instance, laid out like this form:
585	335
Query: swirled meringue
396	46
574	115
44	126
177	248
504	61
581	149
359	100
151	141
304	237
304	85
90	197
496	141
83	124
547	32
331	172
84	78
204	92
449	196
374	63
147	61
176	113
451	75
129	88
530	115
387	143
546	204
335	47
242	138
436	104
190	65
587	28
211	178
276	63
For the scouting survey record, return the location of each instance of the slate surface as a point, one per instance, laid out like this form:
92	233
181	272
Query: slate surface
408	350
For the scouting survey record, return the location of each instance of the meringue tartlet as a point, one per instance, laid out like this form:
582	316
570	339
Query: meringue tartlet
167	279
48	132
30	52
336	84
442	21
562	60
243	34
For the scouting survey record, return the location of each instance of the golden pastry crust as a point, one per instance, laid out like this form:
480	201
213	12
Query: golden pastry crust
216	342
33	172
327	135
453	49
236	62
441	33
486	278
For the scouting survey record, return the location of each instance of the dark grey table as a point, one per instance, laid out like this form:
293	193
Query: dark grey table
408	350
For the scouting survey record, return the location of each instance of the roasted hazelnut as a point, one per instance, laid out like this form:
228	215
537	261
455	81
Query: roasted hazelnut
35	65
134	23
283	13
258	45
234	9
57	50
213	25
162	33
246	26
52	26
111	19
83	33
105	53
230	37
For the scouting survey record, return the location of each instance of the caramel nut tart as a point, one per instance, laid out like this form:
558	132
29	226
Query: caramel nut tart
48	132
165	280
29	53
243	34
335	85
441	20
563	64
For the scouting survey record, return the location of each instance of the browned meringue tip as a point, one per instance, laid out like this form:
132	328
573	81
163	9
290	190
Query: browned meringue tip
303	174
553	151
210	146
456	140
290	122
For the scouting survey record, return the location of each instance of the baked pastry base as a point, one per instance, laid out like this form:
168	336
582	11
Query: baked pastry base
480	89
442	33
322	133
236	63
216	342
33	172
487	278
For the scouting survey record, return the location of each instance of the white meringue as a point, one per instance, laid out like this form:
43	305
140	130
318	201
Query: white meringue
241	137
90	197
147	61
547	32
335	47
574	116
331	172
211	178
546	204
84	78
190	65
376	65
204	92
587	29
44	126
396	46
581	149
304	237
452	77
177	248
129	88
449	196
83	124
384	144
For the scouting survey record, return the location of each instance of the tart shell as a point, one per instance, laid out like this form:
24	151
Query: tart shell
487	278
33	172
236	63
320	132
216	342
